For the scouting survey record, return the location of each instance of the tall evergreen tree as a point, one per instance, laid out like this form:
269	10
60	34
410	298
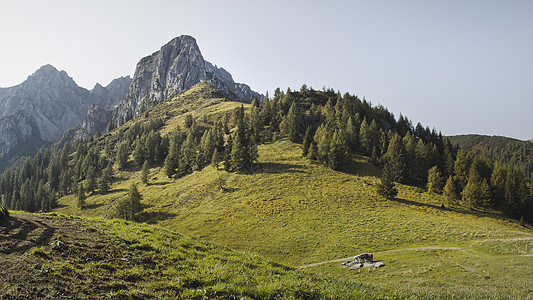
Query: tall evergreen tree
81	195
386	188
395	160
308	139
450	191
130	206
144	173
122	154
292	124
434	180
91	180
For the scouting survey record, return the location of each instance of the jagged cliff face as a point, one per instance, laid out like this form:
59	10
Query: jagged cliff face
108	97
175	68
47	104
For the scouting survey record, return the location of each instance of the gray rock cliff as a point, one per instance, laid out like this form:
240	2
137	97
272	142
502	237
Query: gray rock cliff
51	102
175	68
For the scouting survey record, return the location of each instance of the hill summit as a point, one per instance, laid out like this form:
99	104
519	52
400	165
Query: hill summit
175	68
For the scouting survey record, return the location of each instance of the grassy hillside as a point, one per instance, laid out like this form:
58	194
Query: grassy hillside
48	256
297	213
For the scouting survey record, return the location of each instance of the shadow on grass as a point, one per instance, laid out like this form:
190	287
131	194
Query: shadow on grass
457	209
360	166
157	183
156	216
277	168
92	206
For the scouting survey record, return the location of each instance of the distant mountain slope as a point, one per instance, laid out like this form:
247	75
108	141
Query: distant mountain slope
43	107
175	68
499	148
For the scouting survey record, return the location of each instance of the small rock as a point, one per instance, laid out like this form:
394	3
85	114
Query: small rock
59	245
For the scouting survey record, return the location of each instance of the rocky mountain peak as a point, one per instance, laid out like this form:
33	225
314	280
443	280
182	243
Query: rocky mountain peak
48	103
49	76
175	68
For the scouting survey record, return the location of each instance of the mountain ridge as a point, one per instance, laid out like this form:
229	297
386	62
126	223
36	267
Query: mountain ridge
47	104
173	69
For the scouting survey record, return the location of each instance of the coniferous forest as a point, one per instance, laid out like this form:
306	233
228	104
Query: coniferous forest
331	128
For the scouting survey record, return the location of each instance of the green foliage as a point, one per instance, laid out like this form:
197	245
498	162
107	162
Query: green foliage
144	173
81	196
396	160
450	191
434	180
130	206
122	155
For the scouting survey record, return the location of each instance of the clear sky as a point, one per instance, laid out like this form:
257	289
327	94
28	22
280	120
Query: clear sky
459	66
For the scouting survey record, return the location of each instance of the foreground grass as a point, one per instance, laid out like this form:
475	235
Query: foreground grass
296	212
117	259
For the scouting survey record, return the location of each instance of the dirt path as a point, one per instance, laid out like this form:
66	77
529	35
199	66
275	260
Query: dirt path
468	251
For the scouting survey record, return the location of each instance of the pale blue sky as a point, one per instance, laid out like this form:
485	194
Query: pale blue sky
458	66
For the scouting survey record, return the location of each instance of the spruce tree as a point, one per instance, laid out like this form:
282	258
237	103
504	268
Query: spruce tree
434	184
91	180
81	195
365	139
215	159
386	188
139	153
122	155
105	180
144	173
395	160
130	206
292	124
450	191
308	139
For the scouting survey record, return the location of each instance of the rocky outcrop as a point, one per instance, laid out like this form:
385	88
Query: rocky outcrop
108	97
362	260
96	121
175	68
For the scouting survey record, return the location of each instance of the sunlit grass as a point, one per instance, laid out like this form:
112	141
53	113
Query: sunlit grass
297	212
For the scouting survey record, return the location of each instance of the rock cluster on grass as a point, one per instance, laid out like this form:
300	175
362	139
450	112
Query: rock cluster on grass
361	261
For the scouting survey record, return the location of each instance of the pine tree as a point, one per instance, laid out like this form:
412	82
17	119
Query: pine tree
105	180
461	168
365	139
338	152
130	206
434	180
497	181
323	142
450	191
215	159
144	173
139	153
91	180
386	188
122	155
308	139
81	195
292	124
187	157
395	160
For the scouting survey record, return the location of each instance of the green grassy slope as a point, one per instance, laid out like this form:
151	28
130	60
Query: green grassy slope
297	213
47	256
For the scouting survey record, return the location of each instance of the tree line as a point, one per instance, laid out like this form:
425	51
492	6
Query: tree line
331	128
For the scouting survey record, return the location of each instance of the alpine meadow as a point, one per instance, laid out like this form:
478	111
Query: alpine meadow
188	185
